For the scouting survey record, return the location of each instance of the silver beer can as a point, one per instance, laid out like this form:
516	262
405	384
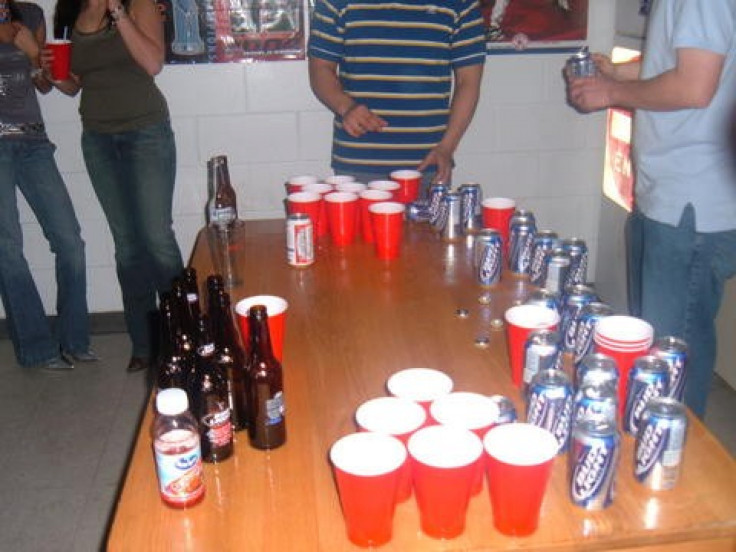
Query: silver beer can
470	207
558	265
581	64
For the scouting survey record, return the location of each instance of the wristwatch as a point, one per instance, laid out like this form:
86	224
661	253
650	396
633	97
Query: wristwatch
117	12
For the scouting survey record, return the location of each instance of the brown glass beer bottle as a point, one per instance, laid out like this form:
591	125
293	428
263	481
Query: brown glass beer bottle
173	369
223	209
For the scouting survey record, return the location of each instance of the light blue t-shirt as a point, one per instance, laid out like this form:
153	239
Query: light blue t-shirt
684	156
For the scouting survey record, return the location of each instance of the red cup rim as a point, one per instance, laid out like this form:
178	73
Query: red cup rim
442	446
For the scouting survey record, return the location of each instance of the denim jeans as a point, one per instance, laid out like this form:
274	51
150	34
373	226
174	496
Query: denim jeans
676	279
29	165
133	176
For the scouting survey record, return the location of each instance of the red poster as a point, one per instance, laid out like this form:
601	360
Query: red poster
618	174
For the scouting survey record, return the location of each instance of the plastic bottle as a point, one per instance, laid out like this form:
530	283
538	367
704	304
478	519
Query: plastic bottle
177	451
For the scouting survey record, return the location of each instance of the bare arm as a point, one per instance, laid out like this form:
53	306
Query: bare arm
464	101
142	32
42	84
692	83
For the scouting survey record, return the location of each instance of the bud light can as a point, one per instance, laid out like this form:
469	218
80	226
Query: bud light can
299	240
522	216
593	461
573	301
558	265
506	409
451	225
470	206
488	257
595	400
578	251
589	317
417	211
596	369
673	351
581	64
543	244
649	378
520	250
436	193
549	404
541	352
660	443
544	298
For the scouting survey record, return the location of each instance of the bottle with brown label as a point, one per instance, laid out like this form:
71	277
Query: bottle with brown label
266	419
222	208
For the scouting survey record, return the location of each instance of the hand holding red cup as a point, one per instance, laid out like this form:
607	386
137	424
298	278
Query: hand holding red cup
61	51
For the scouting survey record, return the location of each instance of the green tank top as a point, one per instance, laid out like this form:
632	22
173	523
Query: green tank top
117	94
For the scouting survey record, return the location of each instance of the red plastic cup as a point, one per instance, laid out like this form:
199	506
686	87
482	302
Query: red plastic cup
336	179
367	467
387	220
444	463
276	308
354	188
62	50
521	320
472	411
397	417
519	462
421	385
309	203
295	183
386	186
410	182
342	210
366	199
497	212
322	188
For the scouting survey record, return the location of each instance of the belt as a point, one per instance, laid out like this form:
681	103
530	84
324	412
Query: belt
22	129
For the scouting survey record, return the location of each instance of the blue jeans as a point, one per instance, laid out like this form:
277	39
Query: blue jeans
133	176
29	165
676	279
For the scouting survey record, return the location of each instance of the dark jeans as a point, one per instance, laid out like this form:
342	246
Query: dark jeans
133	176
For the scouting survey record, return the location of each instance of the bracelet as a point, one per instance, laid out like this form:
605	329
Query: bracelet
37	72
349	109
118	12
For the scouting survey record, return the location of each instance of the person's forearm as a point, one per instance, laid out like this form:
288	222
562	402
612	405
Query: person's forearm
147	53
327	87
627	71
462	108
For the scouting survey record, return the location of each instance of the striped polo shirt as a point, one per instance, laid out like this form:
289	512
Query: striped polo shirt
396	58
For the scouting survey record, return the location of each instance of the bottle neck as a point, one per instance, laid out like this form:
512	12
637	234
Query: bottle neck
260	337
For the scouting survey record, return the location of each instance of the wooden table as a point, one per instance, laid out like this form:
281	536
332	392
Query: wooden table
354	320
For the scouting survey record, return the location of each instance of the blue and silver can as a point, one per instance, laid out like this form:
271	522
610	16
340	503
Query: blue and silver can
418	211
558	265
578	251
543	244
593	461
488	257
436	193
549	404
587	320
595	400
581	64
673	351
544	298
451	226
649	378
596	369
506	409
470	207
541	352
660	444
573	301
520	250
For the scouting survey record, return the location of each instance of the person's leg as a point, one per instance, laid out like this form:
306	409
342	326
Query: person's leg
634	251
29	330
47	195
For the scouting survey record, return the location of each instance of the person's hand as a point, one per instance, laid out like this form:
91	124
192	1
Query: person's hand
358	120
442	159
604	65
588	94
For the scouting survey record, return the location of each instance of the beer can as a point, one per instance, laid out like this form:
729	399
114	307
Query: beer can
470	195
488	257
649	378
573	301
450	225
506	409
544	298
299	240
520	249
549	404
418	211
578	250
585	328
522	216
581	64
541	352
558	265
660	443
543	244
595	400
673	351
596	369
436	193
594	455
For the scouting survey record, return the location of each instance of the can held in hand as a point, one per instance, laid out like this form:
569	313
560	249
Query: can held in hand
488	257
649	378
673	351
578	250
594	455
470	207
549	405
660	444
544	242
581	64
585	328
597	369
541	352
299	240
595	400
506	409
558	265
573	301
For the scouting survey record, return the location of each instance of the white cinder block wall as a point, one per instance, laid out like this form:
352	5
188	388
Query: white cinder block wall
525	143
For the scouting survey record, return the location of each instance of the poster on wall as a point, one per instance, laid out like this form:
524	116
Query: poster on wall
534	26
226	31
